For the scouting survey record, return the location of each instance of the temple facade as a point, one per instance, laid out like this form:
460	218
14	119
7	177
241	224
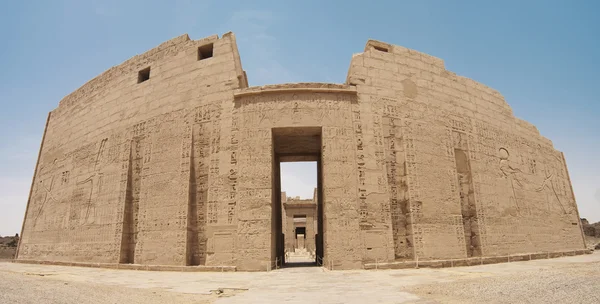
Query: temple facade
170	158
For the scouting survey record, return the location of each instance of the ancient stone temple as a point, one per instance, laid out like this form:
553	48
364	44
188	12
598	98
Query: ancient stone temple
171	159
299	222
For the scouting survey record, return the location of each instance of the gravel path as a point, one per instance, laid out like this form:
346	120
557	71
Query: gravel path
35	289
559	283
563	280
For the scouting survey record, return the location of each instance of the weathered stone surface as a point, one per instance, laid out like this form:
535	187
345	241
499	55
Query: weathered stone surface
169	159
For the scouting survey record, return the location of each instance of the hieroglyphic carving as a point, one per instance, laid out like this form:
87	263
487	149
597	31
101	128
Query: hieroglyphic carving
134	165
201	151
65	177
206	145
412	178
200	162
232	196
466	194
212	212
378	141
361	165
233	165
207	113
411	165
396	178
377	179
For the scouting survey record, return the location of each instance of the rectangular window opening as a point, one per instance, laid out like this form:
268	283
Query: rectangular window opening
381	49
205	51
144	75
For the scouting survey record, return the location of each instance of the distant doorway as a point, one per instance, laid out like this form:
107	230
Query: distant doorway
300	236
297	210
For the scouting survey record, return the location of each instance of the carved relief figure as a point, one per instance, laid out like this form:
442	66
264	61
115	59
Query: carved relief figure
523	180
90	206
88	189
47	195
548	185
514	175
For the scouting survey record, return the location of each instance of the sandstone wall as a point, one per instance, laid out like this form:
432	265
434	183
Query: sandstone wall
113	171
414	162
464	176
294	208
302	107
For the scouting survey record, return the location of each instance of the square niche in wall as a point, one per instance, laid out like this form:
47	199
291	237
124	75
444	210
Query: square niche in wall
144	75
205	51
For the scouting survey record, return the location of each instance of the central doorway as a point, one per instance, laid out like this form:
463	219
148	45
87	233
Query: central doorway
297	217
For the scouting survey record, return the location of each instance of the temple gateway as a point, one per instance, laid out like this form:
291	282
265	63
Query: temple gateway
170	159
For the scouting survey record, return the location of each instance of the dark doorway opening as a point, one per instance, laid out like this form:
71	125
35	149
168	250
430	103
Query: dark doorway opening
301	231
297	223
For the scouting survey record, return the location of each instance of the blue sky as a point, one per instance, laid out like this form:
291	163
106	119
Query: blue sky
543	56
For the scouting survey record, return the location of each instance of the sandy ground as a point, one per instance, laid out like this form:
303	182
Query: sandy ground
563	280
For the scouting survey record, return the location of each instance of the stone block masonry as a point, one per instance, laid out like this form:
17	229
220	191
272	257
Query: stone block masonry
170	160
